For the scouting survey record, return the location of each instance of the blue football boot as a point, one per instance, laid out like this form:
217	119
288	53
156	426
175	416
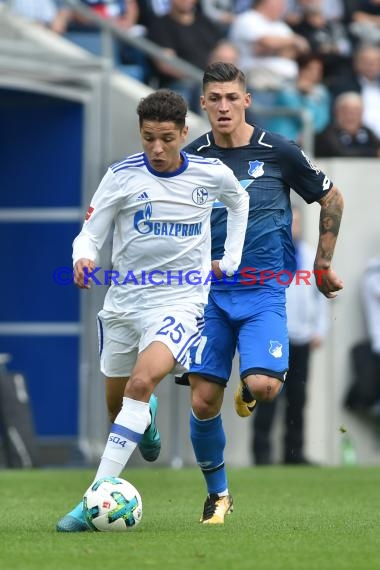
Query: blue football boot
74	521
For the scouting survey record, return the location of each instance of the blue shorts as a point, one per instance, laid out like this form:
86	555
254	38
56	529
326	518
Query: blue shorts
252	322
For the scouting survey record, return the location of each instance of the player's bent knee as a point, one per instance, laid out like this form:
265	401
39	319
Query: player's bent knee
266	388
206	397
139	387
204	407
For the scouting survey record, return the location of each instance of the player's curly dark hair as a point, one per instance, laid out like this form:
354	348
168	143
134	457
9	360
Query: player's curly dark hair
163	105
220	72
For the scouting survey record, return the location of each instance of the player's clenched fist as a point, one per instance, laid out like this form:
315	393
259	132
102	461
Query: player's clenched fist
328	282
81	270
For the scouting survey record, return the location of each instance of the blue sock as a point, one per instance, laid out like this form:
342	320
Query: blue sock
209	440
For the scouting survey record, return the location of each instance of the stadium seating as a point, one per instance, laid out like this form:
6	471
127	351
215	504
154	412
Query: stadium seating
92	41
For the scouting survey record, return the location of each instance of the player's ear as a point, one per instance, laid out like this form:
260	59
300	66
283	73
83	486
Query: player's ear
247	100
185	132
203	102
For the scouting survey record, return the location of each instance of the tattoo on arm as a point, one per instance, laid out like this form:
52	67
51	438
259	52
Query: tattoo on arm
329	223
331	212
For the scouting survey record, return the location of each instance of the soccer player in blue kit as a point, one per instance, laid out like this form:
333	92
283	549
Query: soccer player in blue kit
248	312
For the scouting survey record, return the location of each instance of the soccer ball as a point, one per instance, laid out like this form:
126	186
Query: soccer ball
112	504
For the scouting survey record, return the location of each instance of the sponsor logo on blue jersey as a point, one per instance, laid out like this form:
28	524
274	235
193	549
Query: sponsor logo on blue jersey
256	168
143	224
275	348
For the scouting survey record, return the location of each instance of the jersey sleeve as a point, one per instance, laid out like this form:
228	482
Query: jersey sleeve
98	220
233	195
299	172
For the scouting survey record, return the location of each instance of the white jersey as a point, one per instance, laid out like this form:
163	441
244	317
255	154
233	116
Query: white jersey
161	242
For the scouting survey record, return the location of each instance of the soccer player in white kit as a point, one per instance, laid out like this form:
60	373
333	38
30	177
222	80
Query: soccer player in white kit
160	203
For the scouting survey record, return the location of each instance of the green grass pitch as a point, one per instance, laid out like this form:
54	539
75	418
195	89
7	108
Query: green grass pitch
285	519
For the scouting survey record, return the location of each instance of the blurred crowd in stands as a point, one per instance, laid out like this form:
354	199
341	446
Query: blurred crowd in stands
318	59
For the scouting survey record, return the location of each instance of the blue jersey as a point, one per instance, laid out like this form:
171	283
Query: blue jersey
268	168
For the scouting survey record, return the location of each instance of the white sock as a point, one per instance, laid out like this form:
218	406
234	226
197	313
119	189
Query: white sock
129	427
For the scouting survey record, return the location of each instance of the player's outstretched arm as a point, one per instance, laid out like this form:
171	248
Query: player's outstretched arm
327	280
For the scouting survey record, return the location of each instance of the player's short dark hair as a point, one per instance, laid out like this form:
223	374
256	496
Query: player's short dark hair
220	72
163	105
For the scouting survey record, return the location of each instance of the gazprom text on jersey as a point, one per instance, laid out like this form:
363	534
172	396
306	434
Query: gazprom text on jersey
169	228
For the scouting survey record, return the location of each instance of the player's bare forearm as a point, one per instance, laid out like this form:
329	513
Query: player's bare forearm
329	223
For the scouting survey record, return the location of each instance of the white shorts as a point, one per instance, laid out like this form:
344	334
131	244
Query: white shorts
122	336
